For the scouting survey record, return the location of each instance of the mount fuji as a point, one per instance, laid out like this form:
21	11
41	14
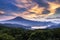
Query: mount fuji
28	24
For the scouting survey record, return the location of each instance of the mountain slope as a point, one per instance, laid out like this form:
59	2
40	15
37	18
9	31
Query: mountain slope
23	23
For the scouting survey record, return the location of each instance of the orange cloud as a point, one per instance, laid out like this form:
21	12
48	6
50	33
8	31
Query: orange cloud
52	7
36	11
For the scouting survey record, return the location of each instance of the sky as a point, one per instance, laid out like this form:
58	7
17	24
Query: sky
35	10
29	9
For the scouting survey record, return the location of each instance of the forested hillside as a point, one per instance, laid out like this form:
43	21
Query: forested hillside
22	34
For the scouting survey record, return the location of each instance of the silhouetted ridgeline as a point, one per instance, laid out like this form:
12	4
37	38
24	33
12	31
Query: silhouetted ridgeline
7	33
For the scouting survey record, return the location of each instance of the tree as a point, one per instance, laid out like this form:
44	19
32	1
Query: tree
6	37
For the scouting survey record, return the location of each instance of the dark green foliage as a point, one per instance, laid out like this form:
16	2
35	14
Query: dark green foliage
7	33
5	36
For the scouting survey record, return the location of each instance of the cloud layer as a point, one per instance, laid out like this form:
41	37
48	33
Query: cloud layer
28	9
36	10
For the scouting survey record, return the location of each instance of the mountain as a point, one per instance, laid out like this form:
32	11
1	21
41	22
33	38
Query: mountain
23	23
54	26
14	25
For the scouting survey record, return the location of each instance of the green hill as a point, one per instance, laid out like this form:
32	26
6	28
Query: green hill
22	34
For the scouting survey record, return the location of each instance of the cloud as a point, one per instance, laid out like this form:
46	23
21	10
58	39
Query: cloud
39	27
1	12
29	9
5	16
23	3
37	11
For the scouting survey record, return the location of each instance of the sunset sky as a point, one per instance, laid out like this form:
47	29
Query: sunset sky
29	9
33	10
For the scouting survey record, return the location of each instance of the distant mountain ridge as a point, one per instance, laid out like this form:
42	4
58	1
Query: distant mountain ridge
28	22
23	23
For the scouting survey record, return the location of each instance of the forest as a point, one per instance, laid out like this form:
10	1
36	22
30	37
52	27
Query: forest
7	33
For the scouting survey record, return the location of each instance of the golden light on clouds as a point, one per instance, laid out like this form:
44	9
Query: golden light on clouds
36	11
52	7
33	10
